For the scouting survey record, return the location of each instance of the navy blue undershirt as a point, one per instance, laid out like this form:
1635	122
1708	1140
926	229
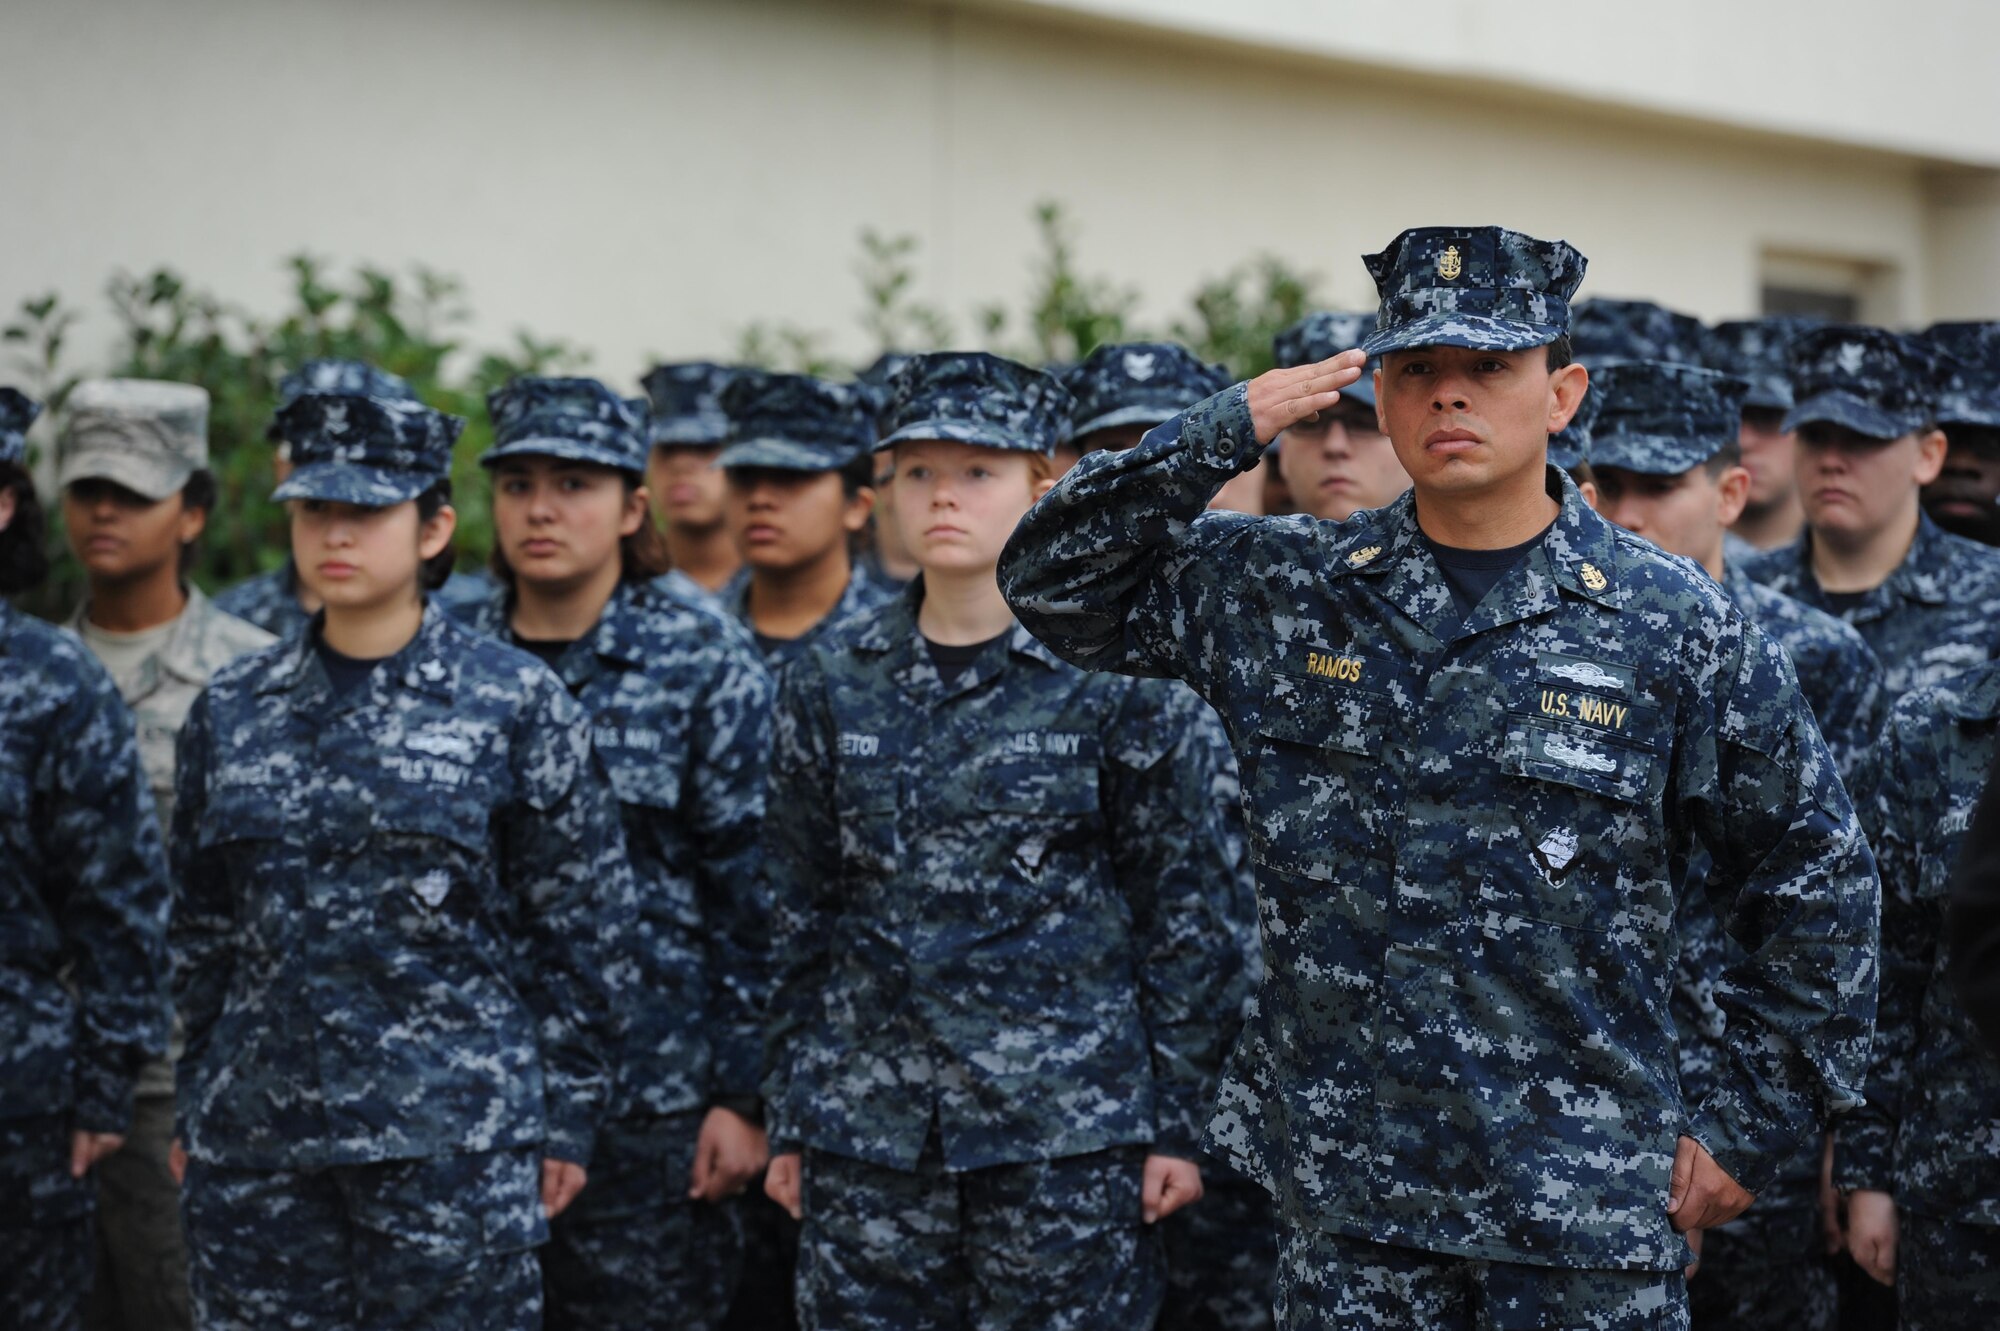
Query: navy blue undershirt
954	659
344	673
1470	574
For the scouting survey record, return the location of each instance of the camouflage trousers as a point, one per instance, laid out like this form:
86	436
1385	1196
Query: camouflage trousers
1327	1282
1768	1268
633	1253
1947	1274
442	1244
1051	1245
142	1281
1222	1257
45	1238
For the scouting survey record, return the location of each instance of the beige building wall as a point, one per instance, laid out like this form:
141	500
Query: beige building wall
646	177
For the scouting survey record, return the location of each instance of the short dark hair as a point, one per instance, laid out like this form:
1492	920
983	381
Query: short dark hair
858	475
1561	353
642	556
438	568
24	552
1729	455
200	492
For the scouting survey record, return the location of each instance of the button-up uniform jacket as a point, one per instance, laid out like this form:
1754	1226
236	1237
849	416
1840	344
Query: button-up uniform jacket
391	909
995	905
1928	1131
1469	839
1938	614
83	886
680	711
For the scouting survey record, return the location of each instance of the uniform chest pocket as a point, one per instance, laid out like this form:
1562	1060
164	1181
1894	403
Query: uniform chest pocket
434	864
1583	844
1043	805
1315	785
646	763
247	828
865	796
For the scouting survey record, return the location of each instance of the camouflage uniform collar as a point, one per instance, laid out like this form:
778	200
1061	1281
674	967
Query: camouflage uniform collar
1581	548
181	655
1739	587
1924	576
428	663
619	636
895	628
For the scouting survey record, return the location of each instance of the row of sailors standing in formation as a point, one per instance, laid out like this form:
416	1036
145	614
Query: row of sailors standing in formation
518	919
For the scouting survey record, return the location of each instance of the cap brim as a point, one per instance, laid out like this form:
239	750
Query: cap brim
568	450
780	455
1769	394
1969	409
963	432
348	483
1852	413
152	480
1648	454
1133	415
1455	329
691	431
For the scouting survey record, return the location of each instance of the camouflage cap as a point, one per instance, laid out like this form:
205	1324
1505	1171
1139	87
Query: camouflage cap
326	374
794	422
17	413
367	451
1327	333
1601	331
1662	418
147	435
579	420
1755	350
1968	389
1482	286
873	382
687	402
1569	448
1138	383
1869	380
975	397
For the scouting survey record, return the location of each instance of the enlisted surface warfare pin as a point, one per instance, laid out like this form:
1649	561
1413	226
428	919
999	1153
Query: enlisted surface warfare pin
1365	555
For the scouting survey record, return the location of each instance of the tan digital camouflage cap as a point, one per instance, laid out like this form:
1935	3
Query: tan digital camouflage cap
147	435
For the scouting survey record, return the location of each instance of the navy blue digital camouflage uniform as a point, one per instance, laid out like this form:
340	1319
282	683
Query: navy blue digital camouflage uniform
391	927
1938	614
271	600
1930	1133
1222	1254
1460	822
83	914
1001	966
680	712
1767	1268
794	422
